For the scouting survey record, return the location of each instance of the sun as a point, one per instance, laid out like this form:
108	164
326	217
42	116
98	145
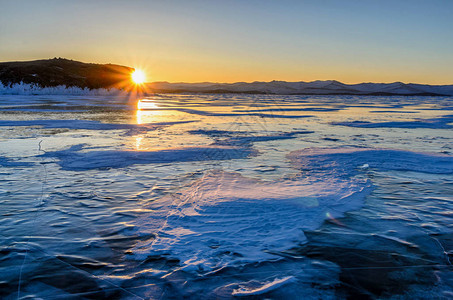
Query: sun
138	76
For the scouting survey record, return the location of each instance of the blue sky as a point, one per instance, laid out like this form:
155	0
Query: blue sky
228	41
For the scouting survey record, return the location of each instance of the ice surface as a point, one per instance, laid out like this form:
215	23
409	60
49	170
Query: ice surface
393	112
90	125
74	159
214	222
235	138
225	218
367	213
265	288
283	109
219	114
347	161
9	163
436	123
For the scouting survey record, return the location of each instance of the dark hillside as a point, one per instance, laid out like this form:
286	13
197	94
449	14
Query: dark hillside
60	71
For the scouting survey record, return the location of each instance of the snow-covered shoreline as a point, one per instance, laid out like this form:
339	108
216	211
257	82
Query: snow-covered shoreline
34	89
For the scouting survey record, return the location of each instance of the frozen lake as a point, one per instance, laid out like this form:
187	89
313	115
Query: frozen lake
223	196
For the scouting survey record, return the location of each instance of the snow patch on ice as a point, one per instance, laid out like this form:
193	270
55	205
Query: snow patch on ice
220	114
347	161
74	159
283	109
238	138
436	123
225	218
265	288
90	125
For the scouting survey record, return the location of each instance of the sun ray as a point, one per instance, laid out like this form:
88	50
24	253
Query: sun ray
138	76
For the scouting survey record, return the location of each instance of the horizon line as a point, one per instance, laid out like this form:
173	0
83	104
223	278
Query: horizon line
300	81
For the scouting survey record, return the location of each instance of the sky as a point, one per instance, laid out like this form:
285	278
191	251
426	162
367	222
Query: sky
229	41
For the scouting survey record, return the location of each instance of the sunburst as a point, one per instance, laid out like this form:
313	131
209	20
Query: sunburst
138	76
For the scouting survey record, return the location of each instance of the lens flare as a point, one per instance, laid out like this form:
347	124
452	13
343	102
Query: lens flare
138	77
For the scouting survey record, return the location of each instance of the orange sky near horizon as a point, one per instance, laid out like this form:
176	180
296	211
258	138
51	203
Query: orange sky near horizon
190	71
249	71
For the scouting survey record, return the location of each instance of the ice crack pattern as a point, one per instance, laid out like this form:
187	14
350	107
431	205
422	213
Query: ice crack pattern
226	196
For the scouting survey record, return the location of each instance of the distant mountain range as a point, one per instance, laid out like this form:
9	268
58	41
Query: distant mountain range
328	87
70	73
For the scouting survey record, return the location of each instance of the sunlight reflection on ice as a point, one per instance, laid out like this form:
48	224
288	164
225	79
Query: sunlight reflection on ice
138	141
146	104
